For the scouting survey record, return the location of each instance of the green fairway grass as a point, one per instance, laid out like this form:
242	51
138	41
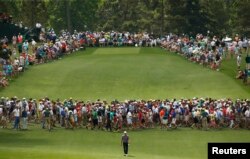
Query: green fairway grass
117	51
120	73
126	73
182	143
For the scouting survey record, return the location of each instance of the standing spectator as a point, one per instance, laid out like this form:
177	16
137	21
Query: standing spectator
14	41
19	43
162	114
95	118
165	119
16	113
204	116
21	63
14	52
24	113
238	61
47	114
99	116
4	114
19	38
173	118
108	122
24	117
33	45
247	118
217	61
84	115
232	119
129	119
26	46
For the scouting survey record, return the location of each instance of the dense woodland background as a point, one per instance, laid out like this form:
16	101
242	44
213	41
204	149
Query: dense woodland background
220	17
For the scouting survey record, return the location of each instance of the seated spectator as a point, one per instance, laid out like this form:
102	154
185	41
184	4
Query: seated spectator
31	59
240	74
3	80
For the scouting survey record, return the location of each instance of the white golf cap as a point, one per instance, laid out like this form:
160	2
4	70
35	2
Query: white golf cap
125	132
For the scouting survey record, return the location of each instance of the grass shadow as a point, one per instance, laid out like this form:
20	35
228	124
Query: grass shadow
18	139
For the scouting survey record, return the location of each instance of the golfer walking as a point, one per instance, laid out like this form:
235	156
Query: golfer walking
124	142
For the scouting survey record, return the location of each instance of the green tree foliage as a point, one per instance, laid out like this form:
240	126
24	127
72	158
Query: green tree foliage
73	14
11	7
29	12
243	17
130	15
197	16
157	16
216	16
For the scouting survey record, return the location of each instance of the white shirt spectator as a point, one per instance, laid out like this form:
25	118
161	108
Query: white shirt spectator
41	106
16	62
16	112
247	113
238	60
19	104
155	110
129	115
84	109
75	112
21	61
212	43
33	42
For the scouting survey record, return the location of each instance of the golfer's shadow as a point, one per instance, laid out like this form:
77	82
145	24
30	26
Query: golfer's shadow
131	156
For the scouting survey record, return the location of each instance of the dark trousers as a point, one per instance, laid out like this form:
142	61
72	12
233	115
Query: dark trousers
108	126
125	148
16	124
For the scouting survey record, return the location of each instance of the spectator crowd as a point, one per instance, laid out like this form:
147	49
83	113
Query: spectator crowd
211	52
18	53
167	114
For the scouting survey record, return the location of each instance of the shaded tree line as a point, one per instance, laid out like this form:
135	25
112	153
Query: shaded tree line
219	17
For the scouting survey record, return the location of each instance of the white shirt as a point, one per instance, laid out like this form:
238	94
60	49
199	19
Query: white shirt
21	62
16	112
38	25
75	112
19	104
155	110
213	43
84	109
247	113
16	62
238	59
33	43
129	115
41	106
